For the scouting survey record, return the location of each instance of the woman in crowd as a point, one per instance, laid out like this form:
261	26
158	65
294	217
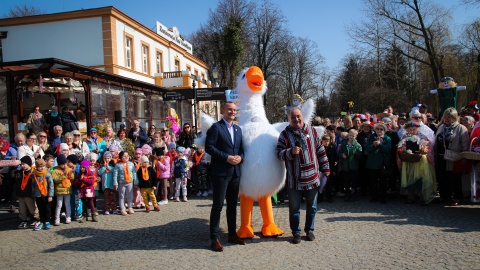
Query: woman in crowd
120	140
80	145
31	148
378	160
450	136
417	178
366	130
36	122
347	122
469	123
109	137
43	143
356	122
187	137
166	137
53	119
151	131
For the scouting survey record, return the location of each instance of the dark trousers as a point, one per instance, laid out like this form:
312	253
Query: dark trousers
224	188
350	179
44	208
86	202
449	183
378	185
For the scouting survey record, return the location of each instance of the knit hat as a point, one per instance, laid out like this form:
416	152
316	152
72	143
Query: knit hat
181	149
27	160
61	159
139	151
386	120
172	144
92	156
107	154
40	162
64	146
73	159
85	163
146	149
159	151
113	148
144	159
381	125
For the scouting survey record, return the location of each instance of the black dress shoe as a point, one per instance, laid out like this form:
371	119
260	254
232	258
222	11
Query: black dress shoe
236	240
216	246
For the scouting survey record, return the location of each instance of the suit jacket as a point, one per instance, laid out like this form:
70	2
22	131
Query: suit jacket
219	145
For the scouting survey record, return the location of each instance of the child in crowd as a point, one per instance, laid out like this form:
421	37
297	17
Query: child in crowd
106	173
85	182
114	150
124	178
162	167
147	181
137	195
43	190
49	161
180	174
62	177
63	150
172	154
75	201
350	154
23	187
200	164
92	158
331	150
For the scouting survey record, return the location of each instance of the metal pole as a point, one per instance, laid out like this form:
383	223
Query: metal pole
195	105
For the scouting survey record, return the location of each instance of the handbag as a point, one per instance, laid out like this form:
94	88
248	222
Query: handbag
450	155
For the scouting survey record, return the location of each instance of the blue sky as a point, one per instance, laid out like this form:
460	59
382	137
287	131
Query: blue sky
323	21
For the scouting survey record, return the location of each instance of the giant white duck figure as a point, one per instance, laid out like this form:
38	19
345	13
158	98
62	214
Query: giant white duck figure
262	173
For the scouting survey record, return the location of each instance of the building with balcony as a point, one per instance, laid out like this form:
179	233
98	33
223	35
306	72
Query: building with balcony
98	57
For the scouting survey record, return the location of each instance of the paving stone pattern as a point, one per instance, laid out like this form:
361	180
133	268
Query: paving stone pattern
358	235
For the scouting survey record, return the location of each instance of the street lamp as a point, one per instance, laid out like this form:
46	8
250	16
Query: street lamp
215	76
194	84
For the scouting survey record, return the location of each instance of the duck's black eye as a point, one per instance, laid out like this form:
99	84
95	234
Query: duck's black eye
243	77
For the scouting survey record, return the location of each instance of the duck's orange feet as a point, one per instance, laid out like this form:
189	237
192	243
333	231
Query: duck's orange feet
271	230
245	232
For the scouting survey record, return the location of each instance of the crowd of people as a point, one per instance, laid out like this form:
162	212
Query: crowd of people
53	173
389	154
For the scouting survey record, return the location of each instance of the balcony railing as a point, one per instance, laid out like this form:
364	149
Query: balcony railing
172	74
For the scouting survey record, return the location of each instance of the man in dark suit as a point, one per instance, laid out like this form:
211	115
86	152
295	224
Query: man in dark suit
224	144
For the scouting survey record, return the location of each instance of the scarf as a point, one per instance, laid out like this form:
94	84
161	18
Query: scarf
42	185
25	179
126	172
145	174
54	114
197	158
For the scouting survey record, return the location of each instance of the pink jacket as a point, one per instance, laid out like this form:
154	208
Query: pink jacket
164	167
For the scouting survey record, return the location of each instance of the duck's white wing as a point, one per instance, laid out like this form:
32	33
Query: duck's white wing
205	122
308	110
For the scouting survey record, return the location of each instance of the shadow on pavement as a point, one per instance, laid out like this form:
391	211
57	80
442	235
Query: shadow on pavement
452	219
181	234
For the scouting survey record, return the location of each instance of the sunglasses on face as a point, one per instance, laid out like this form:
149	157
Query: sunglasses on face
77	135
380	129
42	136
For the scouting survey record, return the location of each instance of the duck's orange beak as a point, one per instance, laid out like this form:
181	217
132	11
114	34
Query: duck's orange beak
255	79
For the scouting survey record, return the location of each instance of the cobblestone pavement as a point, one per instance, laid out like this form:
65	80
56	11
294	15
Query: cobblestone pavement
359	235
